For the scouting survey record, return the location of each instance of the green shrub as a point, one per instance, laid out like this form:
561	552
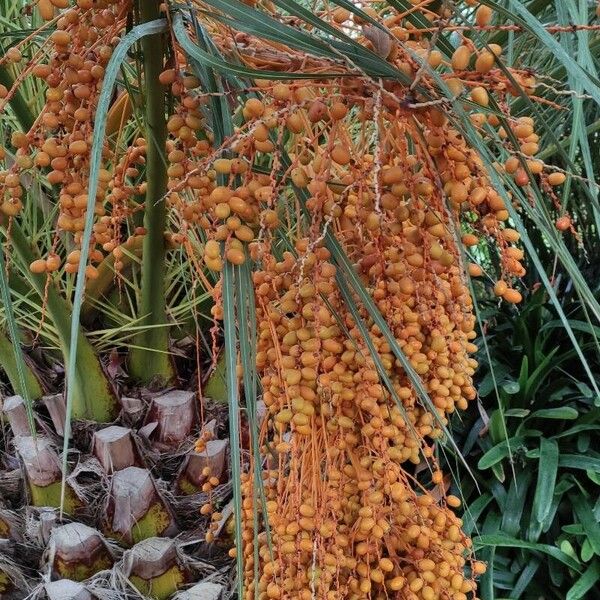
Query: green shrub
534	509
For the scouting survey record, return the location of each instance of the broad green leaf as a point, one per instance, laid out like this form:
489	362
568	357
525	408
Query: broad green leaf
503	541
587	551
567	547
527	574
539	375
499	452
515	503
564	413
594	476
583	442
576	529
497	426
576	325
524	372
496	374
577	429
585	389
588	520
511	387
498	471
585	583
517	412
546	480
473	511
577	461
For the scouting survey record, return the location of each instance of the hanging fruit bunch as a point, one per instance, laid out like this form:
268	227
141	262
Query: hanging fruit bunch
324	175
72	65
383	169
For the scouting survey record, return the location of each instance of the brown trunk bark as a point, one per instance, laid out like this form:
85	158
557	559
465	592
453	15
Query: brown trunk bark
44	474
42	465
174	412
10	527
41	522
133	408
14	409
65	589
154	568
203	591
115	449
200	466
56	407
136	510
77	552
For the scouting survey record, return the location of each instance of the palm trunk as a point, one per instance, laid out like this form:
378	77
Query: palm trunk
94	397
33	386
149	359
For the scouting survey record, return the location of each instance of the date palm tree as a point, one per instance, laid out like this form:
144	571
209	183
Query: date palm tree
233	207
